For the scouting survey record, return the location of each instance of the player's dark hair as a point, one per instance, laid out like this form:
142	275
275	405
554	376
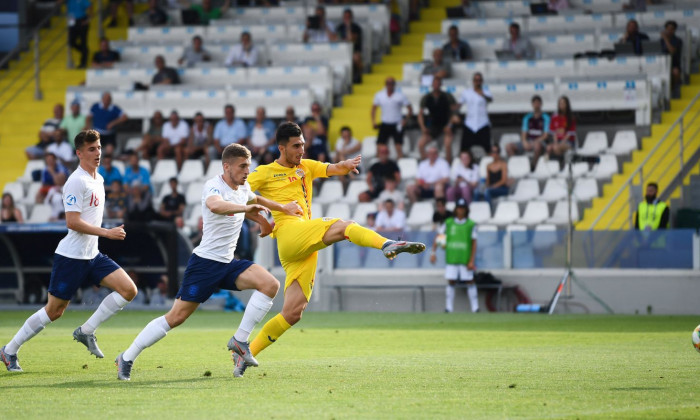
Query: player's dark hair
653	184
85	137
234	150
285	131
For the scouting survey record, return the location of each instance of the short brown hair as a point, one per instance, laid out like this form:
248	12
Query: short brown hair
234	150
285	131
85	137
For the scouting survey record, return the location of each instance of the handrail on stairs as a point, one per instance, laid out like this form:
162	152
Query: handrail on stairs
639	170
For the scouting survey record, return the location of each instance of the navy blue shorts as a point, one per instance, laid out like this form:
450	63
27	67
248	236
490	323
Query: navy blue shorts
204	277
69	274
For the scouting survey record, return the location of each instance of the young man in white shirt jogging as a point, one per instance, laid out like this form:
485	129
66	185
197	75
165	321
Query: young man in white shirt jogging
77	260
225	203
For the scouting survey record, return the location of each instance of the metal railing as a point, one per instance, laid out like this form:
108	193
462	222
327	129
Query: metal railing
671	149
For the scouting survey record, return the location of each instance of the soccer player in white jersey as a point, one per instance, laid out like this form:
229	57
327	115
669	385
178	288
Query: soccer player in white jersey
77	260
226	201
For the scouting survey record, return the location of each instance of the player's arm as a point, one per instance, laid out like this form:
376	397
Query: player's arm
76	223
265	228
218	205
470	264
344	167
290	209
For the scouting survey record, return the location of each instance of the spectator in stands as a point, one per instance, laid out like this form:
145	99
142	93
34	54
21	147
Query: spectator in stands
47	134
62	150
651	214
350	31
378	172
207	12
469	10
391	103
432	178
109	172
115	202
153	137
9	212
139	206
464	177
441	107
558	5
135	175
244	54
105	57
391	192
290	115
261	133
441	213
347	146
318	28
519	45
316	147
54	199
173	205
194	54
318	121
79	15
390	219
562	128
73	123
196	236
155	15
456	49
533	133
114	6
54	173
164	75
438	67
673	46
496	178
636	5
200	139
371	222
104	117
477	126
229	130
634	37
176	131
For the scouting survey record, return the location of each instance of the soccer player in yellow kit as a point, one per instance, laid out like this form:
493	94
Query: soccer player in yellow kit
299	238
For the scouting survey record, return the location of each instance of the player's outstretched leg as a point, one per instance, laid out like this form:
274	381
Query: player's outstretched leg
368	238
124	292
32	326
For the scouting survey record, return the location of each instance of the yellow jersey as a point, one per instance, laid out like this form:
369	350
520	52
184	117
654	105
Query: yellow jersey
284	185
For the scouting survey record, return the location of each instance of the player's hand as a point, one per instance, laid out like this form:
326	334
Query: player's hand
433	258
471	266
292	209
265	227
116	233
256	208
352	164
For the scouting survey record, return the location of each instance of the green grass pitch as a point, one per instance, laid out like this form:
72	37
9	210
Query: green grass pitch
367	365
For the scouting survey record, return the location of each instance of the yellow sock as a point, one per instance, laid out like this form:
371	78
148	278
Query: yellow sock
269	334
364	237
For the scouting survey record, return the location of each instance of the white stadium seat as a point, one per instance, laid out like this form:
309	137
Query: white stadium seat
578	170
606	168
215	168
369	148
595	143
518	166
341	211
585	189
554	190
479	211
483	164
30	167
32	190
316	210
361	211
421	215
408	168
560	215
192	170
507	212
624	142
194	192
545	169
526	190
164	170
355	188
15	189
40	213
195	211
188	102
535	212
331	192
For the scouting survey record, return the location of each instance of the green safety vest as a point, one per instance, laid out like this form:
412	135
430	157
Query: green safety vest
458	241
650	214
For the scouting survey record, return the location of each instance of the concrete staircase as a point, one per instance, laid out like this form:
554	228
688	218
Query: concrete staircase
23	115
356	108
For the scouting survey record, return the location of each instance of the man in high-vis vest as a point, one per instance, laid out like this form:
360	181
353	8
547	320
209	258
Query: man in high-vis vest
458	234
652	214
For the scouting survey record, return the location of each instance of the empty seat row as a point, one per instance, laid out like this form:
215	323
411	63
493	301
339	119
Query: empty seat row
554	190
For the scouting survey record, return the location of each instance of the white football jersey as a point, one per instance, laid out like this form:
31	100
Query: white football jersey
86	195
220	231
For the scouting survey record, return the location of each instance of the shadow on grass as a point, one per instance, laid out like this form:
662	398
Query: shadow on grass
116	383
638	388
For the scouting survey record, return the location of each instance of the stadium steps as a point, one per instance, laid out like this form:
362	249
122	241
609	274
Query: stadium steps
621	204
355	111
23	116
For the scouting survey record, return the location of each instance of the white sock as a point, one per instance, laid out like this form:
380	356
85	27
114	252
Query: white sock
473	296
154	332
113	303
258	306
32	326
449	298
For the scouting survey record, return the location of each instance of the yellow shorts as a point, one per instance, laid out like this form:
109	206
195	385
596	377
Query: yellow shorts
298	243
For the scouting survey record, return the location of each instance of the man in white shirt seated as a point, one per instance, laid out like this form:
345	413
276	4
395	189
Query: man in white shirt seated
244	54
432	178
175	135
390	219
63	151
